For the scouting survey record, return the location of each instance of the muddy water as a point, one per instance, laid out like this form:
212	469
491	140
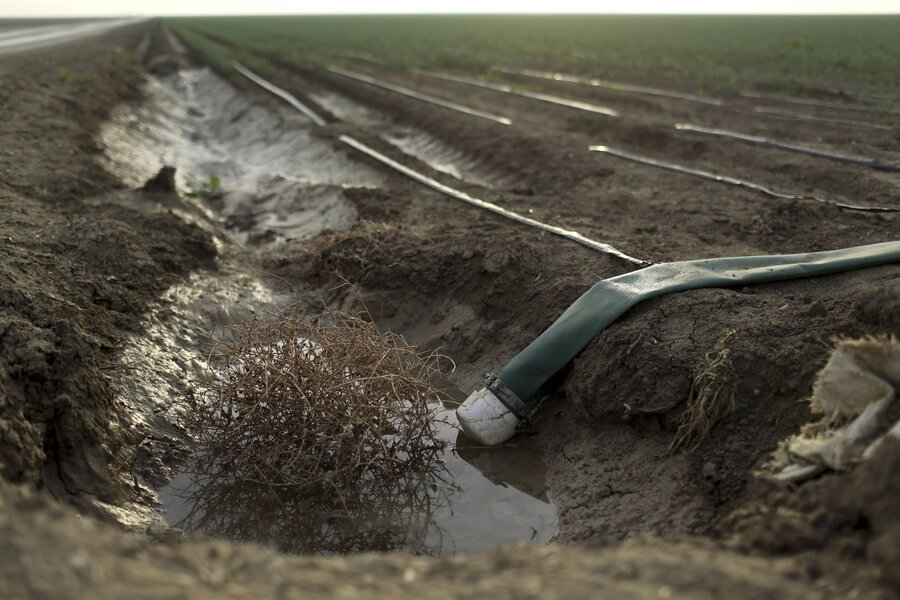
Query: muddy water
282	184
482	498
276	181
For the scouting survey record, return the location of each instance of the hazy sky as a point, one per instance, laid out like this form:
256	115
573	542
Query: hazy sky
18	8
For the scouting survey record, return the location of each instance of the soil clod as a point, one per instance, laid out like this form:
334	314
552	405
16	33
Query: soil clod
161	183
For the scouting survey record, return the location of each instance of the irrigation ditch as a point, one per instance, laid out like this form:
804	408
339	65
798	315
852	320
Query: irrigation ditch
467	236
291	190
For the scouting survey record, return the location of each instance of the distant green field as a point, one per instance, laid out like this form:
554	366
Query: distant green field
860	53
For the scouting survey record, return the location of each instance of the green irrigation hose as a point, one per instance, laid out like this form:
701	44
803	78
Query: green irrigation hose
530	372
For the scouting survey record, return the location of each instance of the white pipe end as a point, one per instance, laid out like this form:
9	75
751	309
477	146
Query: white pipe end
485	419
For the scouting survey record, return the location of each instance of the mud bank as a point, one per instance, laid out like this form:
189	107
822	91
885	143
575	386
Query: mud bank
77	276
55	553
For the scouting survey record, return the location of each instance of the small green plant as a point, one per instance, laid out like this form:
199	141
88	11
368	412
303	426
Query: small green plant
210	190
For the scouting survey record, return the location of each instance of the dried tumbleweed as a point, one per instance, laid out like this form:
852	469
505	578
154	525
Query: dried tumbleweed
324	408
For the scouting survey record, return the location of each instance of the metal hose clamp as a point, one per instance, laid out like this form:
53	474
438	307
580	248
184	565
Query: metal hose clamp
505	395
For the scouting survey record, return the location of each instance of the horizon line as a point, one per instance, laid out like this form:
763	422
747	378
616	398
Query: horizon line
452	14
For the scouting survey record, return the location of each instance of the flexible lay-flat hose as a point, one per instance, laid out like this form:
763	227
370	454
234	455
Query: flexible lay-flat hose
490	414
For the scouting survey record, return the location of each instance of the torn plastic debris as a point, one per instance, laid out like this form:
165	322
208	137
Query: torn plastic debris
856	394
490	414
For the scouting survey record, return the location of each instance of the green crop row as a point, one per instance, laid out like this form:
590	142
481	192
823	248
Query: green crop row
220	55
730	53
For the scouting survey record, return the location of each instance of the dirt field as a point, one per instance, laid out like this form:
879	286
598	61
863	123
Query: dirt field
89	267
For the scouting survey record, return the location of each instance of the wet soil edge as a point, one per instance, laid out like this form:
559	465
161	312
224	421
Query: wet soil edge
77	276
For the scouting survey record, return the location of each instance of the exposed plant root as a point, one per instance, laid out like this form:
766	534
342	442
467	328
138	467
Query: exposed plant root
361	246
712	397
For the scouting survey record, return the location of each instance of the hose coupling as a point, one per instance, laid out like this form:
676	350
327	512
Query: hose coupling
490	414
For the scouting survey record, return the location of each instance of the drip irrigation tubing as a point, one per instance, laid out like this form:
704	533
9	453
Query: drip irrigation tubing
507	89
459	195
763	141
821	103
693	98
312	115
874	96
436	185
731	180
474	112
613	85
499	87
806	117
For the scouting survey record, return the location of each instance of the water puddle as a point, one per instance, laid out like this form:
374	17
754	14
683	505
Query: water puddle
413	141
264	172
150	375
484	498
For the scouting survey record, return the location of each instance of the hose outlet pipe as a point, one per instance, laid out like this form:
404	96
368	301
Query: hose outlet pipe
490	415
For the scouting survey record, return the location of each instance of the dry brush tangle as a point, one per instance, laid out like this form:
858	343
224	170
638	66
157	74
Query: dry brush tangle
324	409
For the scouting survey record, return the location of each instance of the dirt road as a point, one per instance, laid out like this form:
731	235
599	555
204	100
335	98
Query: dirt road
27	36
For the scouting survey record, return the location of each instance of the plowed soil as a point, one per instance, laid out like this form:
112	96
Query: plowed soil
78	274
